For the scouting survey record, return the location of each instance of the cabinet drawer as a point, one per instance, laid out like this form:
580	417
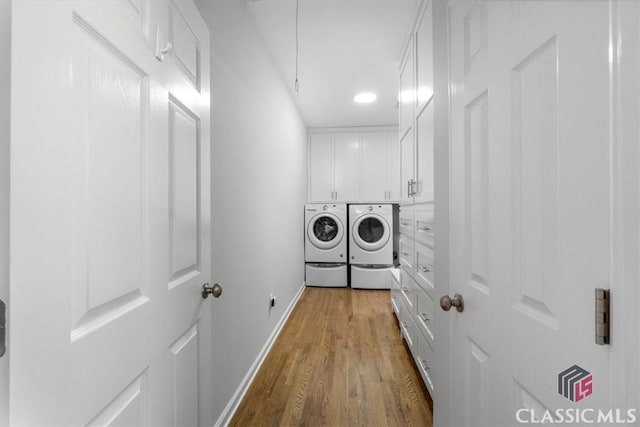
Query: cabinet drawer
407	325
406	222
408	290
424	268
425	310
406	254
423	355
396	294
424	225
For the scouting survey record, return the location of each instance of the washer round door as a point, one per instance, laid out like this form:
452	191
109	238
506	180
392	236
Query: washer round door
325	231
371	232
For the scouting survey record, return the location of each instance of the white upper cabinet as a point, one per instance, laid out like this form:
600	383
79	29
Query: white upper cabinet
321	167
406	97
423	172
416	102
354	166
407	156
424	60
346	166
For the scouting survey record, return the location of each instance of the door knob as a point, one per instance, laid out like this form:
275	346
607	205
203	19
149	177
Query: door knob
215	290
446	302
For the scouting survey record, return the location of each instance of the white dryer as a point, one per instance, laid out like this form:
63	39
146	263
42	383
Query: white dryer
371	234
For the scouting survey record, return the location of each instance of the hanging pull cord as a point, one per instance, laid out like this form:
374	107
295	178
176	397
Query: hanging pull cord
297	83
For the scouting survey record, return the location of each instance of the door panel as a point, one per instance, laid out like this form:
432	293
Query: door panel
374	166
118	209
530	203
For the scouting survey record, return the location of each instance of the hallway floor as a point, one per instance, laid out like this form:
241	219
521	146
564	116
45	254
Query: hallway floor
339	361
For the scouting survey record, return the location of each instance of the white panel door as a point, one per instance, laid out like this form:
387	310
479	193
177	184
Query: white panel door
321	168
530	217
110	215
373	146
347	166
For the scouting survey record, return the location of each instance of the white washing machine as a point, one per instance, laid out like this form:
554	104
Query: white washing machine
325	248
371	234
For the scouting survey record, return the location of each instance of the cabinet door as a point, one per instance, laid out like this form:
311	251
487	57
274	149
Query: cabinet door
424	59
346	166
393	156
424	156
320	168
373	146
407	92
406	167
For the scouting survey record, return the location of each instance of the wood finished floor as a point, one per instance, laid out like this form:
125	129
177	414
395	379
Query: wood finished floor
339	361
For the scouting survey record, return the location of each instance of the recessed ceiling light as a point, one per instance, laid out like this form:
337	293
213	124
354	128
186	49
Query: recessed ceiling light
365	98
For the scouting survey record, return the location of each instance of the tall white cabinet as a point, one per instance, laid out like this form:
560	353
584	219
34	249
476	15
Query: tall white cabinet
354	165
414	299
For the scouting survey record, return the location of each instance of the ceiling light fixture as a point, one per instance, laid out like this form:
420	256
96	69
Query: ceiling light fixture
365	98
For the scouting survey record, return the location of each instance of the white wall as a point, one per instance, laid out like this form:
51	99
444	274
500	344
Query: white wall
259	174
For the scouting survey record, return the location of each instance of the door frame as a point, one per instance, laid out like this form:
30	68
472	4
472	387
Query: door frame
5	133
625	202
442	159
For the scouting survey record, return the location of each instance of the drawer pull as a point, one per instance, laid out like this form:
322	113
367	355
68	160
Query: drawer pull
425	364
424	228
405	224
425	317
405	254
424	269
406	289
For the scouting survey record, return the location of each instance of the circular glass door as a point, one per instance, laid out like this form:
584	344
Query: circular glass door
370	232
325	231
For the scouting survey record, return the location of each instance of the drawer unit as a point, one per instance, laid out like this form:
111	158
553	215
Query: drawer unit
424	225
423	355
425	310
424	268
406	252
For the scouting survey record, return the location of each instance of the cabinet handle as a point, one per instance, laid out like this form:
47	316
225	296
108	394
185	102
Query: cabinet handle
336	196
424	316
425	364
406	289
408	188
424	269
424	228
414	190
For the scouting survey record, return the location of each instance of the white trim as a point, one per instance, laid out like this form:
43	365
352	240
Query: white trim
229	411
5	142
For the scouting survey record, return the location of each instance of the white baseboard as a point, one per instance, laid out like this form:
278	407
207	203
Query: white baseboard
232	406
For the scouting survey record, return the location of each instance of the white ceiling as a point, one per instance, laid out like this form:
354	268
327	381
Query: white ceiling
345	47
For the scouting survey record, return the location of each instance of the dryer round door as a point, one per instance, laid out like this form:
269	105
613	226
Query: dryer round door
370	232
325	231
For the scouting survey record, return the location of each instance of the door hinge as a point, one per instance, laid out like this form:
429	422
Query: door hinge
3	330
602	316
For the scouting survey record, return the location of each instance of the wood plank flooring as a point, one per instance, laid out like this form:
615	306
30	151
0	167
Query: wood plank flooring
339	361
